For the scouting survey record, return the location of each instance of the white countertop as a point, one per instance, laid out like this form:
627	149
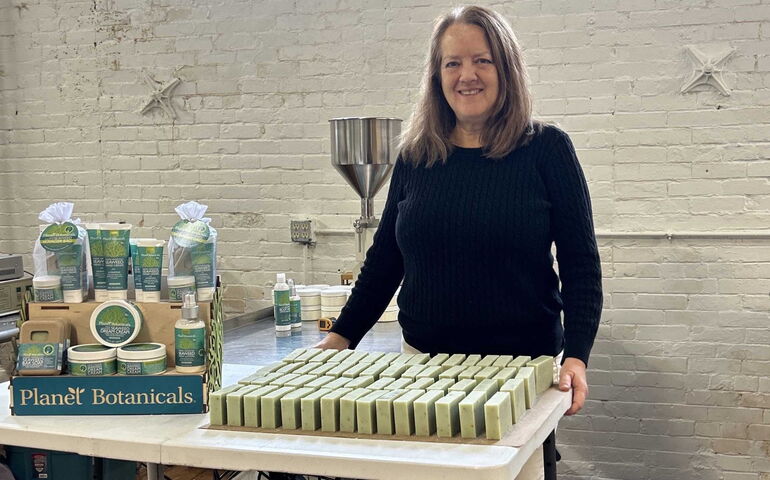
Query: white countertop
178	440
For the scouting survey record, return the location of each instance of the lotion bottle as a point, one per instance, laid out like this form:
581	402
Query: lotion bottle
281	304
295	306
190	339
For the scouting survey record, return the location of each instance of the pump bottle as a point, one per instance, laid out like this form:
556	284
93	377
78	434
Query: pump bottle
281	304
295	304
190	339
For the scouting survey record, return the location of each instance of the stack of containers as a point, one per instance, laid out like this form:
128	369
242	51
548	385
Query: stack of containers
391	311
332	301
310	299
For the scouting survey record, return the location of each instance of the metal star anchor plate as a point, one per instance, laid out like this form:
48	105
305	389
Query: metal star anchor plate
708	70
161	95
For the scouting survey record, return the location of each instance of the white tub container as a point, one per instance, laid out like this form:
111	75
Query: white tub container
115	323
309	297
142	359
91	360
311	314
333	297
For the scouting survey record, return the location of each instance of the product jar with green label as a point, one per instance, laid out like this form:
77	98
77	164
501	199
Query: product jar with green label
142	359
91	359
116	323
178	287
47	288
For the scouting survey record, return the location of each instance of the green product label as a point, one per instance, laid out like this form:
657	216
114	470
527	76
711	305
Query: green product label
48	294
187	234
281	307
146	367
79	369
151	263
115	324
116	251
97	259
190	347
136	269
39	356
202	257
295	311
177	294
70	261
58	237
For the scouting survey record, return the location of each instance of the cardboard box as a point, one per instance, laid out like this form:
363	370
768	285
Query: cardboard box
12	292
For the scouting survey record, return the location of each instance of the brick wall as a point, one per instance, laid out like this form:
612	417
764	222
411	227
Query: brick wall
679	375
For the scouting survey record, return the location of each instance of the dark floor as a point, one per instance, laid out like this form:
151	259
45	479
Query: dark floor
256	343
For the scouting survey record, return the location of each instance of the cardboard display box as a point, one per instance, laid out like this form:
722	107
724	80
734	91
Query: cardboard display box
171	392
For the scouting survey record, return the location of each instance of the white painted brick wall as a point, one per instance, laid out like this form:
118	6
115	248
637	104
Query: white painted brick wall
679	375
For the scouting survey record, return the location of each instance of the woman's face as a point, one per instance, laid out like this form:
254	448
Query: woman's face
468	74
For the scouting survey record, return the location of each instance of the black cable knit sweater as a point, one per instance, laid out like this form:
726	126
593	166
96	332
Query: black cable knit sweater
471	239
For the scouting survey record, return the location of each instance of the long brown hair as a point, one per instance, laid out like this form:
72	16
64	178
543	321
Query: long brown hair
426	138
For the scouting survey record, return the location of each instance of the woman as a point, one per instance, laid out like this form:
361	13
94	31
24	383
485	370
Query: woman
477	198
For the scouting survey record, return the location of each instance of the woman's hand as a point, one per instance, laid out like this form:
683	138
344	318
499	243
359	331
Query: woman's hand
573	375
333	341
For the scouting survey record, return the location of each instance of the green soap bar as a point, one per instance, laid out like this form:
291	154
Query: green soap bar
323	369
330	409
471	360
419	359
432	371
389	357
308	355
412	371
290	367
284	379
505	374
443	385
251	378
464	386
272	367
472	414
488	386
266	379
448	414
425	413
519	361
338	369
381	383
270	406
218	405
338	383
306	368
485	373
543	366
294	354
402	358
348	409
251	405
374	357
291	408
384	407
310	406
469	372
398	384
366	412
530	389
357	357
340	356
503	361
487	361
234	404
361	382
300	381
394	370
452	372
515	388
420	384
375	370
324	355
403	411
355	370
497	415
438	359
454	360
320	382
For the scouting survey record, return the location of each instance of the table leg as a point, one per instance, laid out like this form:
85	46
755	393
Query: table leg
549	456
154	471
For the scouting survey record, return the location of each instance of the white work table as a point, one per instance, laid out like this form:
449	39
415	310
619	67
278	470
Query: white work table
179	440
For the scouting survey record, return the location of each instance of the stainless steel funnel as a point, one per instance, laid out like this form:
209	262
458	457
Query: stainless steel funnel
364	151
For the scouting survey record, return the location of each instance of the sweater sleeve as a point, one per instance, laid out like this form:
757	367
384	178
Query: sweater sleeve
576	251
381	273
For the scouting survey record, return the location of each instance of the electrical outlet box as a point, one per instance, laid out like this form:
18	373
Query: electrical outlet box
303	231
